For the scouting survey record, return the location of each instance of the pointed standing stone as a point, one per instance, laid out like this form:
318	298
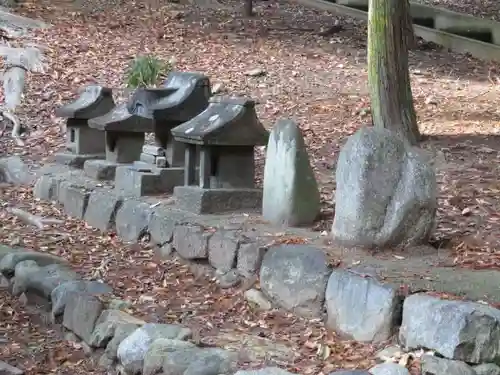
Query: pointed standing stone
291	195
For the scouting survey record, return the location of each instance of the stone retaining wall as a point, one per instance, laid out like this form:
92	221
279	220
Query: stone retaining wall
298	278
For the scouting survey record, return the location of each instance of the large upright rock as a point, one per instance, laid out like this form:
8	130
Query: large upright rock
291	195
386	192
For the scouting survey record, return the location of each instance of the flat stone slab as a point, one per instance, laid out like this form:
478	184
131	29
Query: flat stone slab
139	180
103	204
132	219
295	278
74	196
50	179
75	161
100	170
163	222
361	308
214	201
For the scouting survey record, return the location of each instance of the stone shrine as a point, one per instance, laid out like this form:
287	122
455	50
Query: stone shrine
83	142
124	127
189	97
160	168
222	140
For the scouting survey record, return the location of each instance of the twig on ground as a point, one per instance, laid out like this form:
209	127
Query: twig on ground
31	219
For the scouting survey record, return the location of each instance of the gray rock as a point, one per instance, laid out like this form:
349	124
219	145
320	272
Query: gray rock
360	307
291	195
159	349
386	192
120	334
228	279
81	314
487	369
5	282
163	222
15	171
389	369
464	331
250	258
74	198
61	294
164	251
118	304
105	362
132	349
41	280
199	362
46	188
102	208
107	324
350	372
191	242
6	369
295	277
212	362
22	271
132	219
431	365
264	371
10	260
6	250
222	250
256	297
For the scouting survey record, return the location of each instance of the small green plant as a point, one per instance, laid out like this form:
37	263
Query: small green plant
147	71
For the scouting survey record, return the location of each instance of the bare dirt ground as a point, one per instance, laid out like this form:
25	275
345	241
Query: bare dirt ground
318	81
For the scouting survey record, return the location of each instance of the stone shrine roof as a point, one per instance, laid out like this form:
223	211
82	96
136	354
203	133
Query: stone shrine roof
144	100
226	121
120	119
94	100
189	97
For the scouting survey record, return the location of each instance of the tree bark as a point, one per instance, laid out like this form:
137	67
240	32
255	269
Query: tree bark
388	73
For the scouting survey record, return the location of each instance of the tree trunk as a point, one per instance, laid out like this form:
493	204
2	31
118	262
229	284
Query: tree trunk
249	8
411	40
388	73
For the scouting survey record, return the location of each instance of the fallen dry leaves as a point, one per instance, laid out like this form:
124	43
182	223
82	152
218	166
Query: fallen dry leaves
318	81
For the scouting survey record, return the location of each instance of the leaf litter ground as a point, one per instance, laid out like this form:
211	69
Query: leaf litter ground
318	81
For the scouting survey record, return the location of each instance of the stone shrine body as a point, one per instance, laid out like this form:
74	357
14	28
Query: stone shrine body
83	142
221	140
